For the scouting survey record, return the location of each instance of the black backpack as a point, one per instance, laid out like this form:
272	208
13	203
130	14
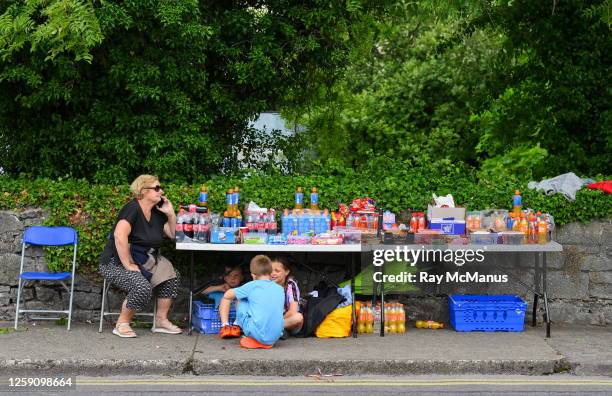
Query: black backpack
315	309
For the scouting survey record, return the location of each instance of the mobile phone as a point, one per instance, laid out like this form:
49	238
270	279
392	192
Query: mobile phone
160	203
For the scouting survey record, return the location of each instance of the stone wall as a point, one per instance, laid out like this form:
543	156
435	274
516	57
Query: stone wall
580	278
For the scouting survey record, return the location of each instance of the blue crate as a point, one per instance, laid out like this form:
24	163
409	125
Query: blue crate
205	318
487	313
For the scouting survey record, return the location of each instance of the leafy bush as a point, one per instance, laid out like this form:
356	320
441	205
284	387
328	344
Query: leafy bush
395	185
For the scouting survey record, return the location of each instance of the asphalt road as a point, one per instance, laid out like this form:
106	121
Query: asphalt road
360	385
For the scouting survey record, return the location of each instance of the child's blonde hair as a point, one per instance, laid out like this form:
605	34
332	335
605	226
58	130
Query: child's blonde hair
261	265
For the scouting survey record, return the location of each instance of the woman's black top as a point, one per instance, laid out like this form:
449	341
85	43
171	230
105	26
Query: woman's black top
144	233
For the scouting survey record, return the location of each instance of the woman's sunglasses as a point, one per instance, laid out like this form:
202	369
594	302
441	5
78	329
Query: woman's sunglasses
156	188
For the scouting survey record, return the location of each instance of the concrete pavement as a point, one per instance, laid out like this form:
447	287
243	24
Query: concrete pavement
45	348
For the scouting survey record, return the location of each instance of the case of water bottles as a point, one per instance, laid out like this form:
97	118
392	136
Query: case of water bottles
305	222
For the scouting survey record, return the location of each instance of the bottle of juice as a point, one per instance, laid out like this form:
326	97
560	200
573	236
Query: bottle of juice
533	228
229	200
392	319
361	321
524	228
235	202
387	322
542	231
429	324
299	198
203	197
376	324
314	199
369	319
517	202
401	320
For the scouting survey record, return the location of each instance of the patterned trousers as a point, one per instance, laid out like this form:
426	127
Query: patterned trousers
137	287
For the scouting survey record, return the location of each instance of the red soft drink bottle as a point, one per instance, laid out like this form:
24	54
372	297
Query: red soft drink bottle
414	224
421	221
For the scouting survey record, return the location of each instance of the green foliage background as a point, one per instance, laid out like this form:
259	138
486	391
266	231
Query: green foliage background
110	89
509	87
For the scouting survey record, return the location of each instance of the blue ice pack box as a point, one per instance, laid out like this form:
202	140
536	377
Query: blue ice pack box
448	226
223	235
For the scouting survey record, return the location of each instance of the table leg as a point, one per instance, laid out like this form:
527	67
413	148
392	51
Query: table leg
190	331
536	285
353	295
544	288
382	300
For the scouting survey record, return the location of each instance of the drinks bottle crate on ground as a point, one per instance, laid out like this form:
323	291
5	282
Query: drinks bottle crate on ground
487	313
206	319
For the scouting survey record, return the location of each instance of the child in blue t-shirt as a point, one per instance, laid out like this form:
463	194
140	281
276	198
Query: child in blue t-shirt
260	308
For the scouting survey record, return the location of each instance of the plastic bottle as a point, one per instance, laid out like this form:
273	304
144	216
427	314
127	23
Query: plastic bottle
421	220
524	228
190	220
314	199
205	227
392	319
179	235
196	226
414	223
361	321
203	197
229	199
542	231
429	324
517	202
271	222
369	322
376	324
387	322
299	198
350	221
327	220
401	320
236	202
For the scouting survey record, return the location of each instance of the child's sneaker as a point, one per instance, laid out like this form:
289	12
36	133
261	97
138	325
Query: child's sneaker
251	343
227	332
235	331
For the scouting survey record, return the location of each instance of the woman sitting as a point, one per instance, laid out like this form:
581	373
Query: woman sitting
131	258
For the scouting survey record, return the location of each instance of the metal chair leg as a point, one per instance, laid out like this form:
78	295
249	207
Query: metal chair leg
18	300
104	290
70	303
154	312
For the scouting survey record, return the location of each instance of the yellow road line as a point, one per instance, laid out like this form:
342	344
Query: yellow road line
346	382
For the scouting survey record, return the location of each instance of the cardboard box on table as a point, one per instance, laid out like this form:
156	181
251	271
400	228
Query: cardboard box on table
450	221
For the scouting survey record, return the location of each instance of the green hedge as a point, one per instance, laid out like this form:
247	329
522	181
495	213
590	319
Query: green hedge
92	208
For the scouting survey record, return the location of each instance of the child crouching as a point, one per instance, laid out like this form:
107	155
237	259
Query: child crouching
259	309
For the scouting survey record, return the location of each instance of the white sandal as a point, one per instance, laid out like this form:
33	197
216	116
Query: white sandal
125	334
172	329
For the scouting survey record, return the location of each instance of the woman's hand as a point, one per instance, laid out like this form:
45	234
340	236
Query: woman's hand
167	208
132	267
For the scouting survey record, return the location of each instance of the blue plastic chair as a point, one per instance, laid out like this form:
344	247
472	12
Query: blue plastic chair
47	236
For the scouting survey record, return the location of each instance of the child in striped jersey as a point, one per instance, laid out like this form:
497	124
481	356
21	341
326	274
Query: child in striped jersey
281	274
